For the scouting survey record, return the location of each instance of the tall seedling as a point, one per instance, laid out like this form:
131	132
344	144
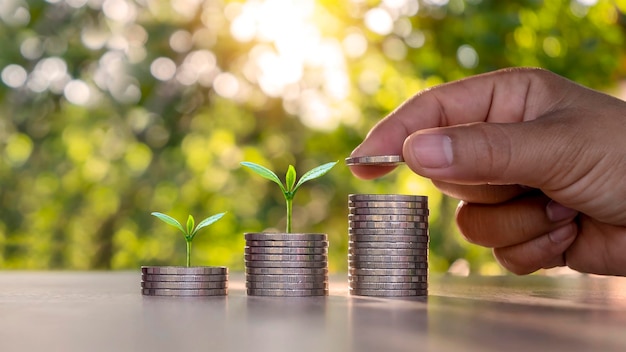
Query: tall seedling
189	231
290	187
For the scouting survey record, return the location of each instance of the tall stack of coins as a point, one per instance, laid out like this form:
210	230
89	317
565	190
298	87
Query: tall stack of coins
388	248
286	264
184	281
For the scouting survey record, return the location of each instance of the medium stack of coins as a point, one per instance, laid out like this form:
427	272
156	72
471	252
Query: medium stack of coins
286	264
184	281
388	248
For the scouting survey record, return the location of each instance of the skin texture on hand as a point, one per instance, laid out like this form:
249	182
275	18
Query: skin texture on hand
538	162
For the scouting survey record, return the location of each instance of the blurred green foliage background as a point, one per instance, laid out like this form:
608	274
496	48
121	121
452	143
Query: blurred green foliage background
112	109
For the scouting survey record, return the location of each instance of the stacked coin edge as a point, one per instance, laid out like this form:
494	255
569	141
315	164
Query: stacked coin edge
388	245
178	281
286	264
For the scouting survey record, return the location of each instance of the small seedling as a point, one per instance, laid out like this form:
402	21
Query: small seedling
290	187
189	231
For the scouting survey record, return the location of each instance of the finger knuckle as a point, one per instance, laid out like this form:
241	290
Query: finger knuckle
493	146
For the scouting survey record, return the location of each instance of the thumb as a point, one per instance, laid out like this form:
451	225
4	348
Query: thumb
538	153
575	160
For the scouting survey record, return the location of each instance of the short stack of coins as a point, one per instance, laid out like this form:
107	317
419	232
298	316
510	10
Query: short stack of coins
388	248
184	281
286	264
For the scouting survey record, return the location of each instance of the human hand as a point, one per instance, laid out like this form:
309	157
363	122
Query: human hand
538	162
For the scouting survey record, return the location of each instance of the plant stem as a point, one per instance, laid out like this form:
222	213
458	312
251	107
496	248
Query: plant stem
188	254
289	209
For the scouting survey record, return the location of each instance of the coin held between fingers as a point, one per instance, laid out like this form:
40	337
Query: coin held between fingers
378	160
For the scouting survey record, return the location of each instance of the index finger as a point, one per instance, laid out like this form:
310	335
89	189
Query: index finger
510	95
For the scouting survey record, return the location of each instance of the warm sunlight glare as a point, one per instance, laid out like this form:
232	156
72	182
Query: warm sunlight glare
289	47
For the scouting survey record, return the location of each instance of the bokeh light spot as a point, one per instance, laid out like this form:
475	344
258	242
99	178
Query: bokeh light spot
138	157
524	37
119	10
415	40
18	149
77	92
355	45
226	85
14	13
181	41
552	46
467	56
394	48
163	68
76	3
379	21
31	48
14	75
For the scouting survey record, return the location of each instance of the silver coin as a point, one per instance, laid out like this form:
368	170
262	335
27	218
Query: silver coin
268	236
388	211
273	264
387	272
288	285
286	271
388	293
379	160
388	217
388	258
286	257
185	285
387	245
383	265
387	225
388	232
388	285
288	244
387	197
170	292
181	270
387	238
286	293
183	278
285	250
287	278
386	251
381	204
387	278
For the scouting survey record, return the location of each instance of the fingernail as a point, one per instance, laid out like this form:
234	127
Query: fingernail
557	212
432	150
561	234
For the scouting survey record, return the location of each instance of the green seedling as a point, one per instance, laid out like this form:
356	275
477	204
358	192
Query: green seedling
190	231
290	187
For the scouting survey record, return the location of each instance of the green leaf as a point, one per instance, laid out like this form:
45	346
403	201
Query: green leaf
290	178
315	173
206	222
190	224
169	220
265	173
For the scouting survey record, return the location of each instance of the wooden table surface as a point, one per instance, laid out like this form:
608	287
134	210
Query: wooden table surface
104	311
